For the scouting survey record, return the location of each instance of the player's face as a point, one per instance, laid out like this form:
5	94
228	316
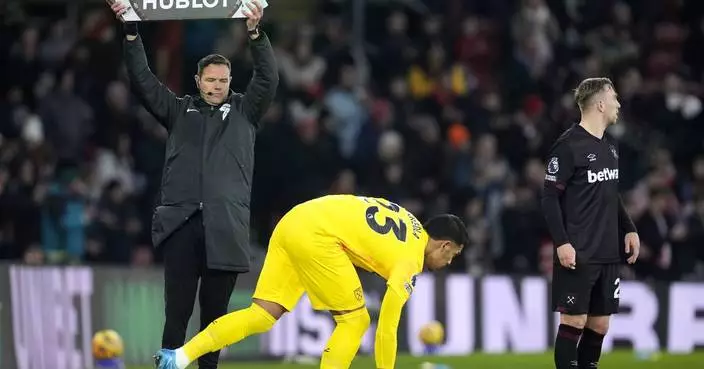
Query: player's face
442	256
612	105
214	83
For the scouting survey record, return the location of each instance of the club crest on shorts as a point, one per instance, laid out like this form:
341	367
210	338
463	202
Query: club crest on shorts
553	165
358	294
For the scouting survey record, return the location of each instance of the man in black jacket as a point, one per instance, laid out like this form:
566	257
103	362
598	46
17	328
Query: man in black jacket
202	218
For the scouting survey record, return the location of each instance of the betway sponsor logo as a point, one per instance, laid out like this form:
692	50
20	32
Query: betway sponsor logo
605	174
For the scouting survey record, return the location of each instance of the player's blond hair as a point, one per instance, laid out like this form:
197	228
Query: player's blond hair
588	88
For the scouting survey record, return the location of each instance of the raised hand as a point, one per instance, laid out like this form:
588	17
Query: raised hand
254	14
119	8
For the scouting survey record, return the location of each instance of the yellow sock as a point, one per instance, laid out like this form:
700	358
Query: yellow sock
229	329
345	339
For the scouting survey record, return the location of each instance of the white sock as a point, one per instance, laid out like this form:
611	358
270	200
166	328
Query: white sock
181	359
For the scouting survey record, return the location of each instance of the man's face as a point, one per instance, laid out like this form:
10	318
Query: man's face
611	104
442	256
214	83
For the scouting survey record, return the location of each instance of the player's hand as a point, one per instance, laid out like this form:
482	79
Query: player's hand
254	14
567	256
632	246
118	8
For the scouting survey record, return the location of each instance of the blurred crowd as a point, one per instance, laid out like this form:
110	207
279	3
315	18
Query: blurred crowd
445	106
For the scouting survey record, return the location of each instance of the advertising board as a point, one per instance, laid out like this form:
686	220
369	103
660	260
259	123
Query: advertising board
48	316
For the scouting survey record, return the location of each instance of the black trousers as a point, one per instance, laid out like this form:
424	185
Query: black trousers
184	265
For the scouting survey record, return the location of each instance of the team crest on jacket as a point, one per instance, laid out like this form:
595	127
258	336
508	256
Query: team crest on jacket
613	151
553	166
225	109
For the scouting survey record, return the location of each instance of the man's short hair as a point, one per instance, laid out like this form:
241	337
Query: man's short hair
213	59
588	88
447	227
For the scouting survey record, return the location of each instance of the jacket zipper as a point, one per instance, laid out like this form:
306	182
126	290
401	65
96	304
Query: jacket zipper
202	163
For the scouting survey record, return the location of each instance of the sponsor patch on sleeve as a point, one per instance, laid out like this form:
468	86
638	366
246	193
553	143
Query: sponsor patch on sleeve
553	165
410	285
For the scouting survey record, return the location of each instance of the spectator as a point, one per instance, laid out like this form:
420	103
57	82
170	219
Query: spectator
116	227
67	120
63	219
456	116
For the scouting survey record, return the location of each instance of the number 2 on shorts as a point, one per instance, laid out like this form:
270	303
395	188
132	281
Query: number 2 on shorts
617	291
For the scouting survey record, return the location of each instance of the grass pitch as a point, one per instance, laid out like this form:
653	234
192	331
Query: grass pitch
613	360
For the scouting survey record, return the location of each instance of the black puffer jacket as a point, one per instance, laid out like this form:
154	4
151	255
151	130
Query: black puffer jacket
209	154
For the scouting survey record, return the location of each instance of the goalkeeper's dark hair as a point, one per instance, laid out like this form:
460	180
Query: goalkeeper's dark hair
447	227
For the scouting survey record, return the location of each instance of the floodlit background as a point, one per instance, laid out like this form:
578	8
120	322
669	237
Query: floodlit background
445	105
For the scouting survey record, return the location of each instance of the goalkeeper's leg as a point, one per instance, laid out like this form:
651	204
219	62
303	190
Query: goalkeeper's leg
345	339
229	329
332	284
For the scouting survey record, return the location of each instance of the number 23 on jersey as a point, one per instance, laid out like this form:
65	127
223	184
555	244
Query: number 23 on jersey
385	224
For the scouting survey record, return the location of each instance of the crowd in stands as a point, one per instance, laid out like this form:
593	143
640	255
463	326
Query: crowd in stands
451	106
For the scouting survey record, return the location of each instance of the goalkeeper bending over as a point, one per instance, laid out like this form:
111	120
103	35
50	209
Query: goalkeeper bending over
314	249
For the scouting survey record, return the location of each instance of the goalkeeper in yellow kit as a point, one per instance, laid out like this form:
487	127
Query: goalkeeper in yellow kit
314	249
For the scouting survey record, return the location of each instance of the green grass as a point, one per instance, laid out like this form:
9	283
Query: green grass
614	360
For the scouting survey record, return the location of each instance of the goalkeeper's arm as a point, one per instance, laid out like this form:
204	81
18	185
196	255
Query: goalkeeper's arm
399	288
386	332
